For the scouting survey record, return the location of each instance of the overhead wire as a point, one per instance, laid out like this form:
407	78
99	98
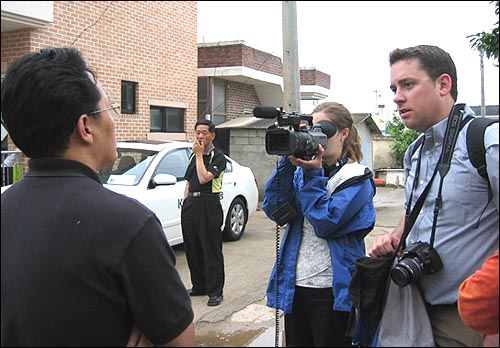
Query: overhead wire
90	26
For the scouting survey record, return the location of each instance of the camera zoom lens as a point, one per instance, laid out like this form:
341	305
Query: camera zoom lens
406	272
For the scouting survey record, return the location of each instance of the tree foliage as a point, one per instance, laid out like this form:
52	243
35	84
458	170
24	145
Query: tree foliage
487	42
403	137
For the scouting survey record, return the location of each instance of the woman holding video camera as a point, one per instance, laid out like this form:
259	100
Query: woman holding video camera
329	200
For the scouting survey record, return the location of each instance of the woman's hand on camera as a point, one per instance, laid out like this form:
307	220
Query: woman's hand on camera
314	163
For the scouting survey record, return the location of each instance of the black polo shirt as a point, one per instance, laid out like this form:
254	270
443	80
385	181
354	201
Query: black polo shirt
215	162
81	264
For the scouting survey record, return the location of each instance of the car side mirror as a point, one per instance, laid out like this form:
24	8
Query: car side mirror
162	179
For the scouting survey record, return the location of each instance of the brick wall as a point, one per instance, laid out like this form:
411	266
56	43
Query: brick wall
239	55
239	97
314	77
152	43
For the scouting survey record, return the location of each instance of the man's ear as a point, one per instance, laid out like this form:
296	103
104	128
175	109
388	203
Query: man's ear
83	129
445	83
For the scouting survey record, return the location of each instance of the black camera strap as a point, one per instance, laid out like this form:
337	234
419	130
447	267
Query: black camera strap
411	214
450	139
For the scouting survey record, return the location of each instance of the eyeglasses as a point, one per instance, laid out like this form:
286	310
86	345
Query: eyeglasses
113	107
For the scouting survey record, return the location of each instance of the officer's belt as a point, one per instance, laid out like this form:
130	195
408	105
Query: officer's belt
205	194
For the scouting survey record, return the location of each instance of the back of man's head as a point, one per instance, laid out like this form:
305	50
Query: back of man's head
43	95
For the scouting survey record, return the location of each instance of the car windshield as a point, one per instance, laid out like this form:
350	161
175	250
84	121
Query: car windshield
129	168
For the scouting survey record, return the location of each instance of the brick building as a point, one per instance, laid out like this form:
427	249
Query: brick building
144	54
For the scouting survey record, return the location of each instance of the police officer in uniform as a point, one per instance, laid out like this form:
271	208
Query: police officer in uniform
202	215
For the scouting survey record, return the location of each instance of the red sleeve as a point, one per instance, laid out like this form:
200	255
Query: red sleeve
478	298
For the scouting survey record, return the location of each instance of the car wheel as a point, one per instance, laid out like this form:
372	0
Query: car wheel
236	220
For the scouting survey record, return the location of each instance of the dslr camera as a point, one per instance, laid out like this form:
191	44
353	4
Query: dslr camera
288	136
420	258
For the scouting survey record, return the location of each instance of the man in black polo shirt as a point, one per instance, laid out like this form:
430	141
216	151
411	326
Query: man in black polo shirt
202	215
81	265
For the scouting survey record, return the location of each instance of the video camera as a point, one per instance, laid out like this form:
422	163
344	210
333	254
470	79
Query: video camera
288	136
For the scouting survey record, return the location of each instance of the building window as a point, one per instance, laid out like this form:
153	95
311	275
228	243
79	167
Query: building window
219	111
128	97
166	119
203	97
212	94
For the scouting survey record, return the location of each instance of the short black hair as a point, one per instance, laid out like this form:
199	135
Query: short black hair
203	121
43	95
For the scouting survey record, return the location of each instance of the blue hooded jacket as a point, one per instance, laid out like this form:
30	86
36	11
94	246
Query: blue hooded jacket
343	217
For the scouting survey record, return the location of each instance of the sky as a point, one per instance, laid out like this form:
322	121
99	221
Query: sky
351	41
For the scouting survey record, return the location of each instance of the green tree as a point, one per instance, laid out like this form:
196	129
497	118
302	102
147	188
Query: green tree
403	137
487	42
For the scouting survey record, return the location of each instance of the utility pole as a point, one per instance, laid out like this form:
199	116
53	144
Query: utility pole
291	71
377	95
481	67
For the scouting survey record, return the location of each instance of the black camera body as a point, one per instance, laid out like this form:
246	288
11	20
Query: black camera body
288	136
418	259
301	143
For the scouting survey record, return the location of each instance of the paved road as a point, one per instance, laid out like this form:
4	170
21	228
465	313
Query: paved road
243	320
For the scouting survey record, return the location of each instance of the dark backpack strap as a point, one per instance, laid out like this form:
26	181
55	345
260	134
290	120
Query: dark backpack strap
475	143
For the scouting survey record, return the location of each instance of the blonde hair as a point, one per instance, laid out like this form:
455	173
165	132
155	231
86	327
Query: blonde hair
342	118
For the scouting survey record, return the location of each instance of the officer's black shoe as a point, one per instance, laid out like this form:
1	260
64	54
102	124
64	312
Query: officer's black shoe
215	300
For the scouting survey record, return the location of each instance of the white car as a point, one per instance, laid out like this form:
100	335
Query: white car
153	173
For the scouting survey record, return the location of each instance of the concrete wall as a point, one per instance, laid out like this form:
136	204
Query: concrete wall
249	149
384	165
382	157
392	177
366	144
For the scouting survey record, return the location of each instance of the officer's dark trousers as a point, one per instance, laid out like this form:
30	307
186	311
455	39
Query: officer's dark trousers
201	219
